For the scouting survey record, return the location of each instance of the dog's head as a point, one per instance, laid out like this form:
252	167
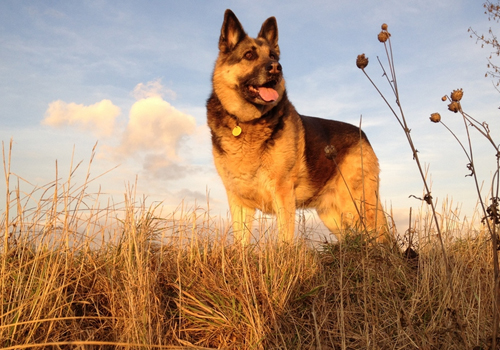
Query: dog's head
247	78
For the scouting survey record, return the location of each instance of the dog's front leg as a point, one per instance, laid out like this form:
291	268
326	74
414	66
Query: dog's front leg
242	217
285	211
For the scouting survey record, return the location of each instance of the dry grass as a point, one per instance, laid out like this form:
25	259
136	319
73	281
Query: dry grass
75	275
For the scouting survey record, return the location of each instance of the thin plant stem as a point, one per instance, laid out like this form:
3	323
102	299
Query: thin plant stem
491	227
404	125
6	168
402	122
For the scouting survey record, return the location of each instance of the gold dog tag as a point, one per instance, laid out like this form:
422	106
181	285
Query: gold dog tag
236	131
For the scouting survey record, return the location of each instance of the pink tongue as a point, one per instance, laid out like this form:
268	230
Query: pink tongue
268	94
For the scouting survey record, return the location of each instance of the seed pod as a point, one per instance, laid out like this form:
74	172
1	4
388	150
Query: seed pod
361	61
457	95
330	152
444	98
435	117
384	26
454	106
383	36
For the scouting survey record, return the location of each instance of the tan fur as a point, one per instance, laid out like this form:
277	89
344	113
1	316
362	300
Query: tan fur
354	192
269	166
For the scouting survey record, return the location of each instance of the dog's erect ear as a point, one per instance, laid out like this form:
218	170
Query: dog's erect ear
269	31
231	32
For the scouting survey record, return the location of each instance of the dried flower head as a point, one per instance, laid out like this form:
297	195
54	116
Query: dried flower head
435	117
454	106
444	98
361	61
457	95
383	36
330	152
384	26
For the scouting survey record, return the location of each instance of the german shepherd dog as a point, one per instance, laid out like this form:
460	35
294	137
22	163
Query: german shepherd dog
275	160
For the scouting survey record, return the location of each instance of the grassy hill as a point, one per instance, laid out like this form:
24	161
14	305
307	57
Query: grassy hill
74	275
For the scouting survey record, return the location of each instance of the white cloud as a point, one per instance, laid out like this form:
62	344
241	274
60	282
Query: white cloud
156	126
98	118
152	89
153	135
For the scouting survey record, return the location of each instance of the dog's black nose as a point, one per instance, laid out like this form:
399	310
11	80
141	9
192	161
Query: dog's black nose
273	67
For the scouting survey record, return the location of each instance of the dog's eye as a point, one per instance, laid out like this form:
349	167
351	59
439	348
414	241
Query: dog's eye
249	55
273	56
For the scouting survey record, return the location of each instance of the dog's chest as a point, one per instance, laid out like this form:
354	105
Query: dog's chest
245	159
251	167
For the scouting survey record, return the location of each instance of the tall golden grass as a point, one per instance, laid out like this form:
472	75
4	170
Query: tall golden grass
488	209
76	274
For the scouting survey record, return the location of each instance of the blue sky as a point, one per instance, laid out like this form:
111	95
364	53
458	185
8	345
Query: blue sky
134	77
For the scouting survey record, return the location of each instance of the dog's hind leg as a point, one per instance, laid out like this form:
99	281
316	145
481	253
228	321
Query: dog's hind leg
351	199
337	219
360	216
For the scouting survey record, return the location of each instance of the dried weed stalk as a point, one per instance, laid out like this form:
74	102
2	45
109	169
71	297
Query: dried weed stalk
362	62
490	213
